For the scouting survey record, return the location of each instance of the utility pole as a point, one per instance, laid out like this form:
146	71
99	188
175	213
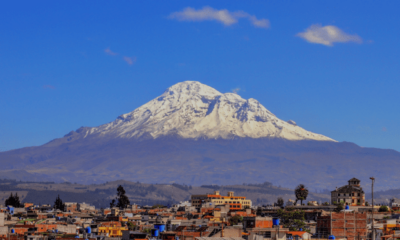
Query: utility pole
372	187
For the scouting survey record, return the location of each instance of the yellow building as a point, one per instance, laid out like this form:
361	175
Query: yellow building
112	231
235	202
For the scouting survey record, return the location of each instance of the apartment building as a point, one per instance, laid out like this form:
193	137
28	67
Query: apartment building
235	202
351	194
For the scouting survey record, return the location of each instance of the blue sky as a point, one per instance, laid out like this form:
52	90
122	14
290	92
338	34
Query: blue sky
331	66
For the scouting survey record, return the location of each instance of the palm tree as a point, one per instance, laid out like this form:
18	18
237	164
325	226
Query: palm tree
301	193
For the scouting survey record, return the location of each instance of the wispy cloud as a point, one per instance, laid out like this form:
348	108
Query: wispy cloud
129	60
327	35
236	90
49	87
109	52
223	16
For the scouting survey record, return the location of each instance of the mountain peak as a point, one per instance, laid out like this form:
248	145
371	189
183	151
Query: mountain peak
191	109
191	88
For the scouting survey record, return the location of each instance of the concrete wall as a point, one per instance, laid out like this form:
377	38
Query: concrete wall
69	229
2	216
3	231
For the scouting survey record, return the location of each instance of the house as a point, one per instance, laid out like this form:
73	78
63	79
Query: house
70	207
351	194
394	202
85	207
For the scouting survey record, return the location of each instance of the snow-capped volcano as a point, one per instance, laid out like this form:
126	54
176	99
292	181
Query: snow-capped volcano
194	134
191	109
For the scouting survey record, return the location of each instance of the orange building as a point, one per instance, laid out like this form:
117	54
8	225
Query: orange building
235	202
257	222
26	205
45	227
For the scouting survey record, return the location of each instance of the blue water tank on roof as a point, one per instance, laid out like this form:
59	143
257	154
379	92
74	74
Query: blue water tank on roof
347	207
160	227
154	232
12	231
275	221
10	210
88	230
331	237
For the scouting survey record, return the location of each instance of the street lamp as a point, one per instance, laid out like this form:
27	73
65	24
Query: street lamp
372	187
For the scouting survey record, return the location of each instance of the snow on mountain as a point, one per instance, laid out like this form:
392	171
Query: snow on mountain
193	110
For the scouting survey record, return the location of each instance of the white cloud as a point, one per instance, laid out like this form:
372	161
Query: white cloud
223	16
109	52
236	90
327	35
129	60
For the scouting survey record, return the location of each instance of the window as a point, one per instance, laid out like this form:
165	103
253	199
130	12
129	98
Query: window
267	235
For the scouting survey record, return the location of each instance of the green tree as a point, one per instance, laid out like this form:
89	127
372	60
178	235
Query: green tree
13	200
112	203
123	200
301	193
131	226
292	219
280	202
339	206
383	209
235	220
58	204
